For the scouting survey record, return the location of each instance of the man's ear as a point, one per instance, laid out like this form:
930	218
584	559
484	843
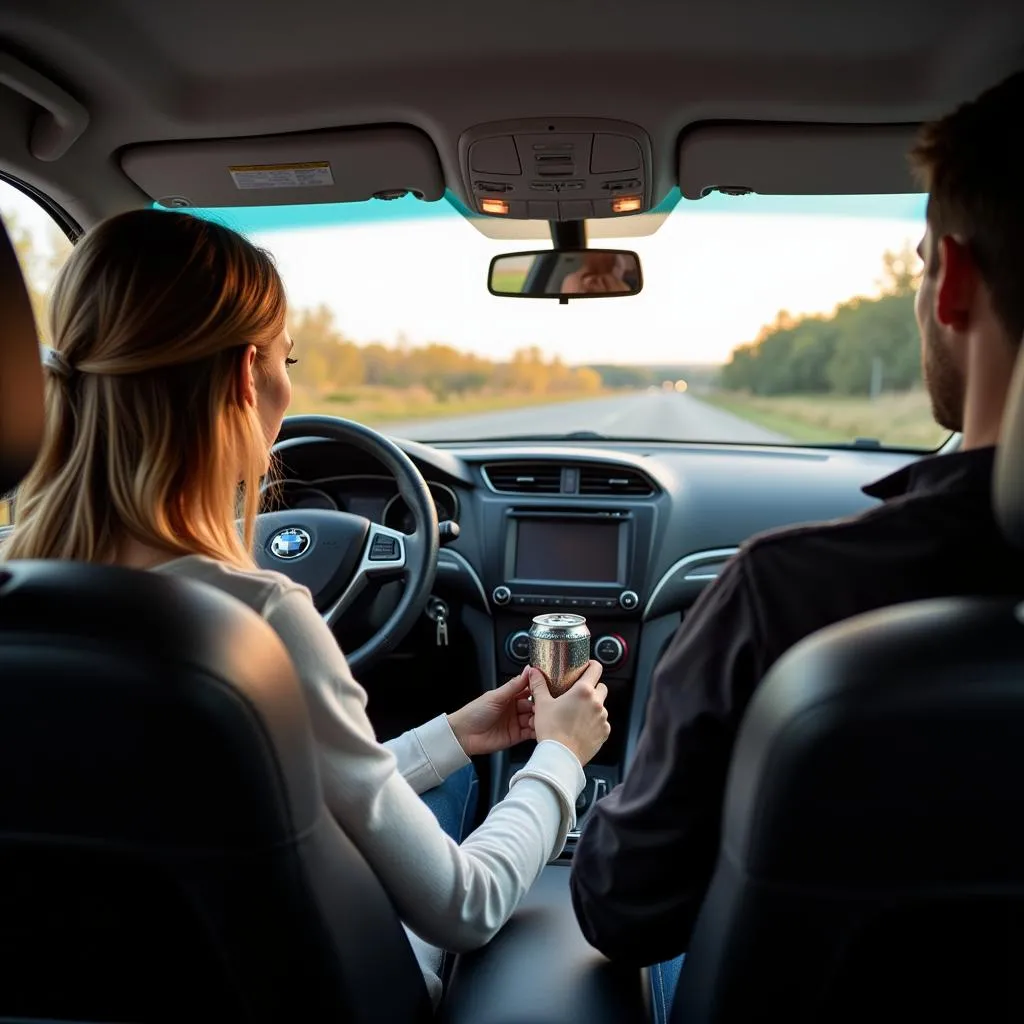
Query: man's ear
247	376
954	292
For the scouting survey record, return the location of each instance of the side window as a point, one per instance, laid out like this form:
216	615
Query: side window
40	244
42	248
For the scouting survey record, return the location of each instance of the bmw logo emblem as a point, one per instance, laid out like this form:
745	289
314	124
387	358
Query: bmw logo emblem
290	543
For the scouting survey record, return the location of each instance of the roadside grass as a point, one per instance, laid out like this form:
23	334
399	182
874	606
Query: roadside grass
381	405
899	419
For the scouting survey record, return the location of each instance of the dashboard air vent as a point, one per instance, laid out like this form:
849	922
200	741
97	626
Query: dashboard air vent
525	477
612	480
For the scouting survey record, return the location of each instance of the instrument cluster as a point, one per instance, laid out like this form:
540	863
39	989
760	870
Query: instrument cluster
373	497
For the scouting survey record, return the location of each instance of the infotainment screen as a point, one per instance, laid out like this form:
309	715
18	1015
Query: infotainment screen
567	551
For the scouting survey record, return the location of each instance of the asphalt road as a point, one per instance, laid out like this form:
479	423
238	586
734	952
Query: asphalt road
647	414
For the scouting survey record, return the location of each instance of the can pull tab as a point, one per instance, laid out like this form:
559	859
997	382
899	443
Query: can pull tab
438	611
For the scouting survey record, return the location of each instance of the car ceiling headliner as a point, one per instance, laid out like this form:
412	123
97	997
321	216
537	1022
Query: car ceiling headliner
151	70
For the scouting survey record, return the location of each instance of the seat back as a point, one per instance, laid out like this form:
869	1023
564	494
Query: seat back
872	859
165	853
164	848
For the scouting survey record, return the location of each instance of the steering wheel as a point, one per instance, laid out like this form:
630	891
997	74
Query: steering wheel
336	554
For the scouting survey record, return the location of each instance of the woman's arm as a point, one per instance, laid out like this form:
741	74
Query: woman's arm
427	755
495	720
452	896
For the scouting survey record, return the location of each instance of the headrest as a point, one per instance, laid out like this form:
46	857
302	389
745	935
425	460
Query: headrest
21	376
1008	483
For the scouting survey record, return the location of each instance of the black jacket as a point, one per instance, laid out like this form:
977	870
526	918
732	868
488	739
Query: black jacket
646	857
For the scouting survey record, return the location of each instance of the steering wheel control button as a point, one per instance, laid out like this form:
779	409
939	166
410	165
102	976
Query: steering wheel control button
384	549
610	650
517	646
501	595
628	599
290	543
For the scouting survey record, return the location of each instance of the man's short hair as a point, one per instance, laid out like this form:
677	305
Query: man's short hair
972	164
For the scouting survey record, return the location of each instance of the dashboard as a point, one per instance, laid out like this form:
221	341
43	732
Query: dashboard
591	517
627	535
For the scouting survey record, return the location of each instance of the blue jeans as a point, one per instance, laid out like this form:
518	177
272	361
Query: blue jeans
664	978
454	802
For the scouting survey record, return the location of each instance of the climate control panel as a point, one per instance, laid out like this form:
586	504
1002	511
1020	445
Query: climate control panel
626	600
610	649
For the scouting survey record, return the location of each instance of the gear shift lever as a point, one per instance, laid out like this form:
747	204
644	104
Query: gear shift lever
595	788
592	792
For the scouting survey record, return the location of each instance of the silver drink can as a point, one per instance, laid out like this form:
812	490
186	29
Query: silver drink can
560	648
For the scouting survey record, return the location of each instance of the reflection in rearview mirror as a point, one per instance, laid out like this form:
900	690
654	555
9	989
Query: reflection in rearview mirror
566	274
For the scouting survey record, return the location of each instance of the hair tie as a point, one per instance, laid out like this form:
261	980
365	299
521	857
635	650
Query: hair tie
57	363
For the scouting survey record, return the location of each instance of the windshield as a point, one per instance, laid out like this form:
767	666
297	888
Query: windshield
762	319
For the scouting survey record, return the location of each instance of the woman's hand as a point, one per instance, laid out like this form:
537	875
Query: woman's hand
496	720
577	718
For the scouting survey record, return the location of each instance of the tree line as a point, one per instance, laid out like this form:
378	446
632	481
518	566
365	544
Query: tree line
330	361
840	352
618	375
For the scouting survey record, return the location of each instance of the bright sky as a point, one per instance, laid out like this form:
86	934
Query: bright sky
711	279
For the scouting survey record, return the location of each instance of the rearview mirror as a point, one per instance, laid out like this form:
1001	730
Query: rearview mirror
566	274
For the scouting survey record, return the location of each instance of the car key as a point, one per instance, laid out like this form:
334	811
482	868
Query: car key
438	611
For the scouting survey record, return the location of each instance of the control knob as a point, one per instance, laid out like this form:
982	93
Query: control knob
628	599
517	646
610	650
501	595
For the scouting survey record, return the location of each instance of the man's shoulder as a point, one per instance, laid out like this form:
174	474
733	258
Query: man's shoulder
850	528
845	546
911	547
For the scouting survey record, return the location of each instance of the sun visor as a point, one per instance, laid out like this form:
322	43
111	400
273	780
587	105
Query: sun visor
345	166
796	159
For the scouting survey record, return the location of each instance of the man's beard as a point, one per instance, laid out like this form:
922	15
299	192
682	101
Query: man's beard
945	385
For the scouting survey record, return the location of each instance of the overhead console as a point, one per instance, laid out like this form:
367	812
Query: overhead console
557	169
342	166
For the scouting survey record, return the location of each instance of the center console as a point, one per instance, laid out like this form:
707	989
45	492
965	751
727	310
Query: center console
540	970
587	559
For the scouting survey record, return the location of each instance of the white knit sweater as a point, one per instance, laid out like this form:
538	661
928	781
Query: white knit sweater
451	896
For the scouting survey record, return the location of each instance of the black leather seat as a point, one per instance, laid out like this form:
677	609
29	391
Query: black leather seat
872	860
164	850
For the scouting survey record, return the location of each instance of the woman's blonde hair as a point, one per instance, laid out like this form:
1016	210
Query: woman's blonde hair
148	434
